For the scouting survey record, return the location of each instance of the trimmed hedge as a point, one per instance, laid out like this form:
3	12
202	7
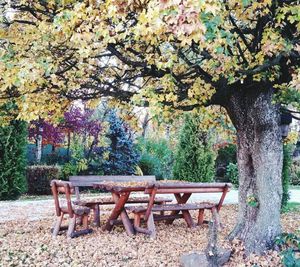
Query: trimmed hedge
39	177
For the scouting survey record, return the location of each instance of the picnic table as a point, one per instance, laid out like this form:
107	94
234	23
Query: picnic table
181	190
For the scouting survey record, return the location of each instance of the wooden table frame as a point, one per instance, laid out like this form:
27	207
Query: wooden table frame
181	191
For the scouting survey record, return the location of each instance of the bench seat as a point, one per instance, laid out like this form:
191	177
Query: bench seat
109	201
174	207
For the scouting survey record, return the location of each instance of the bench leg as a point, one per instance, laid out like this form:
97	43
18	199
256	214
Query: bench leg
188	218
96	209
57	225
162	203
137	220
71	228
151	226
201	216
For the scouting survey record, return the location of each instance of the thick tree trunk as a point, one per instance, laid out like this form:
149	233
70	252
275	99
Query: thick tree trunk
260	164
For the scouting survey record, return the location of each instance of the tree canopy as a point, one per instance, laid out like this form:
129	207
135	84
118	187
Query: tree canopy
178	53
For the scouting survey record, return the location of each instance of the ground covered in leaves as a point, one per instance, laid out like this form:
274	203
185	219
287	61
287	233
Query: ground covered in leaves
29	243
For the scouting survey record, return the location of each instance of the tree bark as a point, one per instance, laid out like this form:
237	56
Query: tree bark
259	157
39	143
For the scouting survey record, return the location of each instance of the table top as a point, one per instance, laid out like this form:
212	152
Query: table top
169	186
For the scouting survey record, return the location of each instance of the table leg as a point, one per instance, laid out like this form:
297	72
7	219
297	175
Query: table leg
119	210
182	199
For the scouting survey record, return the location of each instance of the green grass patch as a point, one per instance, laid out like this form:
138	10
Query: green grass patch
291	207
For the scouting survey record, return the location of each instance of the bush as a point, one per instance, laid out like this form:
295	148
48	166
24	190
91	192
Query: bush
226	155
156	157
39	177
195	158
289	244
295	173
232	174
13	142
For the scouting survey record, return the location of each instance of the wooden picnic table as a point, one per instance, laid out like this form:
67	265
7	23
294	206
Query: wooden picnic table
181	190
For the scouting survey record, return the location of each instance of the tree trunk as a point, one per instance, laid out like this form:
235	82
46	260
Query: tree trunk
39	142
259	158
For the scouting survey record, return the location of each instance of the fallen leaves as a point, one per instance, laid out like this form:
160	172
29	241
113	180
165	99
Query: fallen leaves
29	243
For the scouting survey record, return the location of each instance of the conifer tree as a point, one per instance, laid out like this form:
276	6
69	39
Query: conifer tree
123	157
195	158
13	141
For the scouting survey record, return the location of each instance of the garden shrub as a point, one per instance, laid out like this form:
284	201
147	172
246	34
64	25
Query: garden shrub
13	142
122	156
232	174
39	178
226	154
195	158
286	174
295	173
289	243
156	157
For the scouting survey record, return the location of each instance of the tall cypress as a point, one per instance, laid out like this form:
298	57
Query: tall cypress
195	158
13	143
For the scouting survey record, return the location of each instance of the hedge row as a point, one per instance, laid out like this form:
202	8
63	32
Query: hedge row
39	177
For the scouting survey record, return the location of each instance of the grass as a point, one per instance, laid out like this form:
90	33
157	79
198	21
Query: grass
291	207
297	187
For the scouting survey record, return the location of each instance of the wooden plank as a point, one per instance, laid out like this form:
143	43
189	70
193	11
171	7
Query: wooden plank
186	190
170	184
109	201
159	217
89	180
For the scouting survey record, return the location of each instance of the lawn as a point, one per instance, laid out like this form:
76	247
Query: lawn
29	243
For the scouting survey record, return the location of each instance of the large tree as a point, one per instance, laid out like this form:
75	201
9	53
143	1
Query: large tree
242	55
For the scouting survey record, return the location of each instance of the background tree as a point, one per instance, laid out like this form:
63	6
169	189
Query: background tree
122	158
13	142
195	158
242	55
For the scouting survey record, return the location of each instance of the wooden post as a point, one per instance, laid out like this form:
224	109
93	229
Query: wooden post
200	216
225	190
96	209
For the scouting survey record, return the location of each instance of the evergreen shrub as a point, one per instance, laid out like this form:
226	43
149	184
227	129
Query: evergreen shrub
13	143
195	157
122	156
156	157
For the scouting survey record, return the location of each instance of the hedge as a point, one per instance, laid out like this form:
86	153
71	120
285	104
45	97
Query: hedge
39	177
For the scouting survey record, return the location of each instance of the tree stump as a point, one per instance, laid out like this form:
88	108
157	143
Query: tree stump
212	256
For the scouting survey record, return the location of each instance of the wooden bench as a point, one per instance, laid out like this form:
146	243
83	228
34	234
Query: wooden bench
94	204
182	193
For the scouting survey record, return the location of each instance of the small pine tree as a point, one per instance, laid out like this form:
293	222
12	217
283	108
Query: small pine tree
13	143
195	158
123	158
